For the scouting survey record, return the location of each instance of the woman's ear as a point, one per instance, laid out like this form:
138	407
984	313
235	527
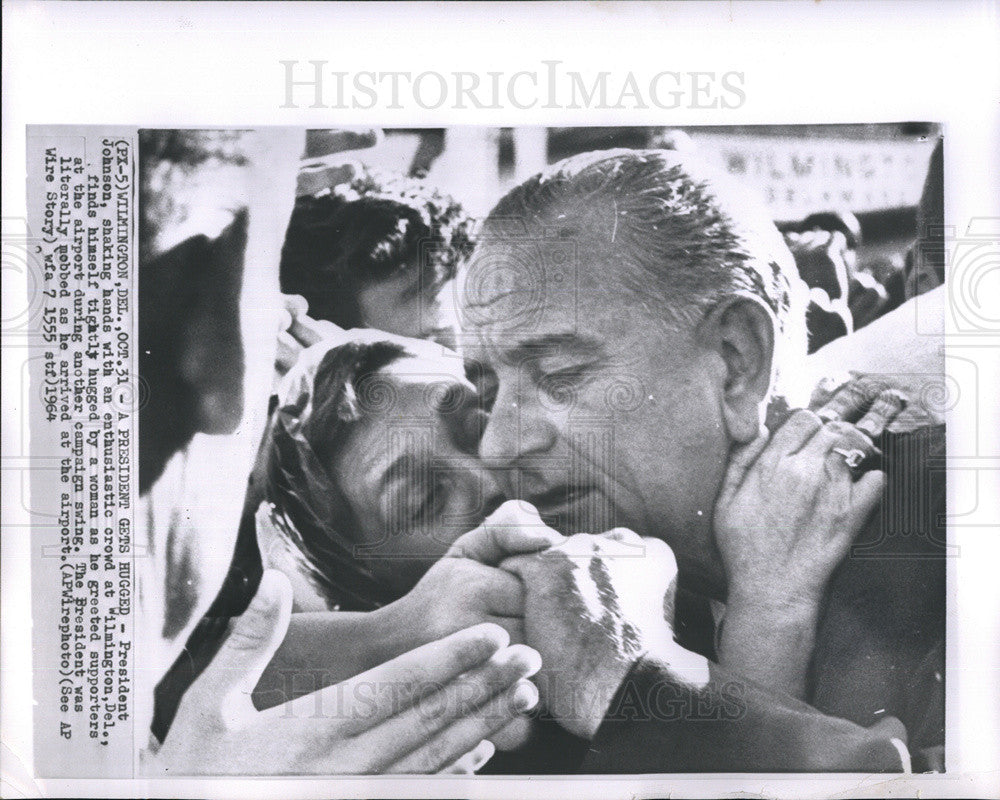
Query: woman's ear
741	331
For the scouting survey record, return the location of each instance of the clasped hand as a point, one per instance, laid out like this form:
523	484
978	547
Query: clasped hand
592	604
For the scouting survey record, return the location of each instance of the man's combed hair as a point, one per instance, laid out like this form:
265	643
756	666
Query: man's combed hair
689	236
355	234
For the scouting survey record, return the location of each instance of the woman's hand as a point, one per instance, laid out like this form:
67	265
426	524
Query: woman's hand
454	594
465	588
789	509
428	710
297	331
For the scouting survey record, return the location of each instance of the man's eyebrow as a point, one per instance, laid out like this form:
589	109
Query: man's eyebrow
570	343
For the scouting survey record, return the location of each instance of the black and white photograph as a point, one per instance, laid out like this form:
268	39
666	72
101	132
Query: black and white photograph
480	400
634	458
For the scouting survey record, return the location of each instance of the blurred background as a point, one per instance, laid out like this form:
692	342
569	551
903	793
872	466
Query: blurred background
875	171
861	206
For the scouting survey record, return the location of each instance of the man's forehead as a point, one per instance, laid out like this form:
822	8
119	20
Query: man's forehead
556	330
510	319
516	282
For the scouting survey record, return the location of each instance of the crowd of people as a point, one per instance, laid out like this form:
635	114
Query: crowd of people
561	492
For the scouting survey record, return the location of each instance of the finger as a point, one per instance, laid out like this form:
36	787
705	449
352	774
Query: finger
251	644
623	535
623	544
513	528
835	434
513	625
502	592
798	429
883	411
842	402
374	696
514	735
284	320
850	401
291	306
741	459
496	715
468	694
837	469
287	353
295	304
473	760
524	566
308	331
825	390
866	493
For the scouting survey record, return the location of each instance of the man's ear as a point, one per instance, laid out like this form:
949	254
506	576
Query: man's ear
741	331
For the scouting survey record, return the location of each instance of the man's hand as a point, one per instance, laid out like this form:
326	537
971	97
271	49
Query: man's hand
426	711
593	605
465	587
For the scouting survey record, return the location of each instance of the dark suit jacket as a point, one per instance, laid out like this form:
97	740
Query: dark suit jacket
879	654
878	661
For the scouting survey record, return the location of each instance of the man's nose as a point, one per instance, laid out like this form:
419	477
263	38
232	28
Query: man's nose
515	430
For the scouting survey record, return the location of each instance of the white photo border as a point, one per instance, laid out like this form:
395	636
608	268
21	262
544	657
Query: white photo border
176	65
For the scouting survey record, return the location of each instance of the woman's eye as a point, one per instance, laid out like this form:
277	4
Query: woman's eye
429	502
486	383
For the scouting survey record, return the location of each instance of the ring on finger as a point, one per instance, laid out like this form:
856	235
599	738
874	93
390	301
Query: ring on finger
852	457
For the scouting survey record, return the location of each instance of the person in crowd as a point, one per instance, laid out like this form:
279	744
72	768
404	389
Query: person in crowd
370	467
349	569
925	260
362	248
843	298
196	337
632	379
375	252
370	476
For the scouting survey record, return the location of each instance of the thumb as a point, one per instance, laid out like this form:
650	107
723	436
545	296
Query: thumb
512	529
256	635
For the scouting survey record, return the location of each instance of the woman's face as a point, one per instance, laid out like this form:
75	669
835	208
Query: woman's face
409	469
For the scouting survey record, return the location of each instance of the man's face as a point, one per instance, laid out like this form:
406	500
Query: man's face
402	305
603	415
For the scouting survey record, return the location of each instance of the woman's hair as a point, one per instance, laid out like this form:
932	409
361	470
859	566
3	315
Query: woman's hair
353	235
304	439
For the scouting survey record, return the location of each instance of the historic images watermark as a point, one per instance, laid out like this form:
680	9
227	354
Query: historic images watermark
318	84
